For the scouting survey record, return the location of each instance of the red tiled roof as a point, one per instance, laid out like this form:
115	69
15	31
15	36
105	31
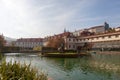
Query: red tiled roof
30	40
61	35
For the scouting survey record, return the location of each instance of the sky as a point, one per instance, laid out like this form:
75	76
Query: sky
41	18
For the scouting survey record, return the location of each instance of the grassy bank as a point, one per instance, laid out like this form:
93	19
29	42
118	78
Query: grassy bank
16	71
62	53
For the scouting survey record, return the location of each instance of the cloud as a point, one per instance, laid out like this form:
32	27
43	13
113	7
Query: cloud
33	20
40	18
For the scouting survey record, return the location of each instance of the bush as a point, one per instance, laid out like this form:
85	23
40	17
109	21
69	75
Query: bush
16	71
1	56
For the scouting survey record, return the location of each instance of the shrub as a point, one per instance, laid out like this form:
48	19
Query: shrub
16	71
1	56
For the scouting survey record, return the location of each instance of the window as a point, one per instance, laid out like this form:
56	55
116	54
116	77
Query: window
73	46
69	39
102	37
77	40
73	40
69	46
109	36
116	36
96	37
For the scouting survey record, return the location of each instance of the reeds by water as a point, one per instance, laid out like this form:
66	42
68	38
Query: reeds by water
16	71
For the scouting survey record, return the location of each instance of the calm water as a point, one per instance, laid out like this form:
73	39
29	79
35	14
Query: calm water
97	67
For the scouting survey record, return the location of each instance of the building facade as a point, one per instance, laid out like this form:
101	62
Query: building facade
117	29
28	42
93	30
97	29
78	32
105	40
62	35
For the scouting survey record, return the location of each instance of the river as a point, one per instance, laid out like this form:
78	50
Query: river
96	67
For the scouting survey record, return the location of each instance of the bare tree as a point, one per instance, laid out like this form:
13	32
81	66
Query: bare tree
55	42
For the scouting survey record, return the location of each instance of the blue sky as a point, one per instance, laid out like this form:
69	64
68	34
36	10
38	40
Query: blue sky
40	18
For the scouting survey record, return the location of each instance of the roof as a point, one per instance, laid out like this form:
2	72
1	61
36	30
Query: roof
30	40
60	35
96	27
118	27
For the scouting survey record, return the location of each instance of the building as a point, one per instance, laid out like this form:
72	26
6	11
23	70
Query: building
70	42
103	40
97	29
29	43
93	30
90	31
98	36
78	32
109	40
117	29
62	35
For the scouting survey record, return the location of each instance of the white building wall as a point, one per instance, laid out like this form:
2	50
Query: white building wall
28	44
97	38
102	38
70	43
117	29
97	29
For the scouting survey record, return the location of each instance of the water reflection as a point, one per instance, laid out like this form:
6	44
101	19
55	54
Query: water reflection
97	67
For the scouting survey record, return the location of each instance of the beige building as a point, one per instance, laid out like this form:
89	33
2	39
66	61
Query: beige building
70	43
97	29
29	42
101	37
108	40
78	32
117	29
105	40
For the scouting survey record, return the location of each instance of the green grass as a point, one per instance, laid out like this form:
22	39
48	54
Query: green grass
16	71
62	53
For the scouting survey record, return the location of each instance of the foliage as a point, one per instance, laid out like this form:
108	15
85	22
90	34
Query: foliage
37	48
86	33
8	49
2	42
16	71
110	30
86	46
55	42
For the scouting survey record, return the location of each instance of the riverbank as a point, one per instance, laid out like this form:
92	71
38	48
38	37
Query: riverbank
64	55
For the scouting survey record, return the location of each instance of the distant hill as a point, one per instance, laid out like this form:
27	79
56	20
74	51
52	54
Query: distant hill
9	40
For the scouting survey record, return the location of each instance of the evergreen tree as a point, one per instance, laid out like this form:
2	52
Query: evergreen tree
2	42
